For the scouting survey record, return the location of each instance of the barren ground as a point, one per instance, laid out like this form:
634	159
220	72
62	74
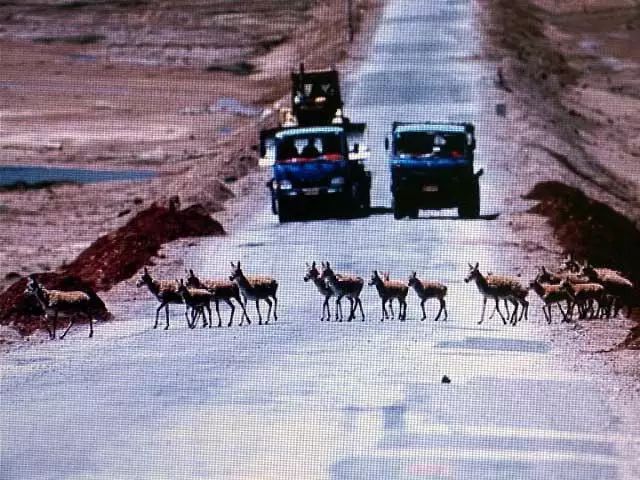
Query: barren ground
177	88
571	86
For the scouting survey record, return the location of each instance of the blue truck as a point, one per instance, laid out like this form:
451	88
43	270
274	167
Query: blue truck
432	168
316	167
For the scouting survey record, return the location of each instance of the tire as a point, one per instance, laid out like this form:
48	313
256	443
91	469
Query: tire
470	205
398	213
284	211
413	213
365	206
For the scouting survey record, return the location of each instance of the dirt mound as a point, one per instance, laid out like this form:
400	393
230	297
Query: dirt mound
591	230
110	259
120	254
25	314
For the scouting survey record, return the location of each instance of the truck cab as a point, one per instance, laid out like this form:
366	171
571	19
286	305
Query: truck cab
315	167
432	168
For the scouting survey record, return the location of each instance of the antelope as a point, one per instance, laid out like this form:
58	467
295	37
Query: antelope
556	278
570	264
427	290
583	295
165	291
199	300
257	288
224	290
498	288
349	286
386	278
620	289
314	275
550	295
56	302
388	290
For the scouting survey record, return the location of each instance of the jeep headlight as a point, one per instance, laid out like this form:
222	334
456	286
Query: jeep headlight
285	185
337	181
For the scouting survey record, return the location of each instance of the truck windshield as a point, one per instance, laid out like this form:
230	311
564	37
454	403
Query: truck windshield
427	144
327	146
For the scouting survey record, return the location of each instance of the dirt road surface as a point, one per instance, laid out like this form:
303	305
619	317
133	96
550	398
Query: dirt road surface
354	400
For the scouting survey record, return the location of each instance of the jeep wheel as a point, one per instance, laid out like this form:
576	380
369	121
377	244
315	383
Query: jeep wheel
470	205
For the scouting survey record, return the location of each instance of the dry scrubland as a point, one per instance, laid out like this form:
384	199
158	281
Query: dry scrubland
174	87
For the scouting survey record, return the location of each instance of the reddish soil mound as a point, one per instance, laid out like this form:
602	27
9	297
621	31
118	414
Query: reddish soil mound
110	259
25	314
120	254
591	229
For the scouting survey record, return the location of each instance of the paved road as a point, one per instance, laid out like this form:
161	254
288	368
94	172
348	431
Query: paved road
308	400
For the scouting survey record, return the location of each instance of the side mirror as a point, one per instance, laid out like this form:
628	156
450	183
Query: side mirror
356	148
386	143
479	173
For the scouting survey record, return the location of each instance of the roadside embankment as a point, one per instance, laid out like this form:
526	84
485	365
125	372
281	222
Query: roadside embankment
110	259
131	88
569	73
590	229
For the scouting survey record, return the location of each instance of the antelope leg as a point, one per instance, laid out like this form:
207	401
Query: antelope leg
266	299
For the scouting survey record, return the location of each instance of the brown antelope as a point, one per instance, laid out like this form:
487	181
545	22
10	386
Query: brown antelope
570	264
552	294
427	290
199	301
56	302
314	275
619	288
222	289
548	277
498	288
349	286
584	295
388	290
165	291
257	288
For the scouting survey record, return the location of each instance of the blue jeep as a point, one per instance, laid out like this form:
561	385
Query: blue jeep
432	168
314	167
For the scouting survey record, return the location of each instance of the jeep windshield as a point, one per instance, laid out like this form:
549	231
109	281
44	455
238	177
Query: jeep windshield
430	144
308	147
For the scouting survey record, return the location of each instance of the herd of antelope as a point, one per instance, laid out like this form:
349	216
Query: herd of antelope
593	292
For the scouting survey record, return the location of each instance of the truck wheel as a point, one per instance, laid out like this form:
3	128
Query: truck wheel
470	205
366	202
284	211
398	213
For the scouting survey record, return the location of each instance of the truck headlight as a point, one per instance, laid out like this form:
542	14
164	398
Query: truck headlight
285	185
337	181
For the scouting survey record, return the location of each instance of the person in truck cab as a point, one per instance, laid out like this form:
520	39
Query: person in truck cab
310	150
287	150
